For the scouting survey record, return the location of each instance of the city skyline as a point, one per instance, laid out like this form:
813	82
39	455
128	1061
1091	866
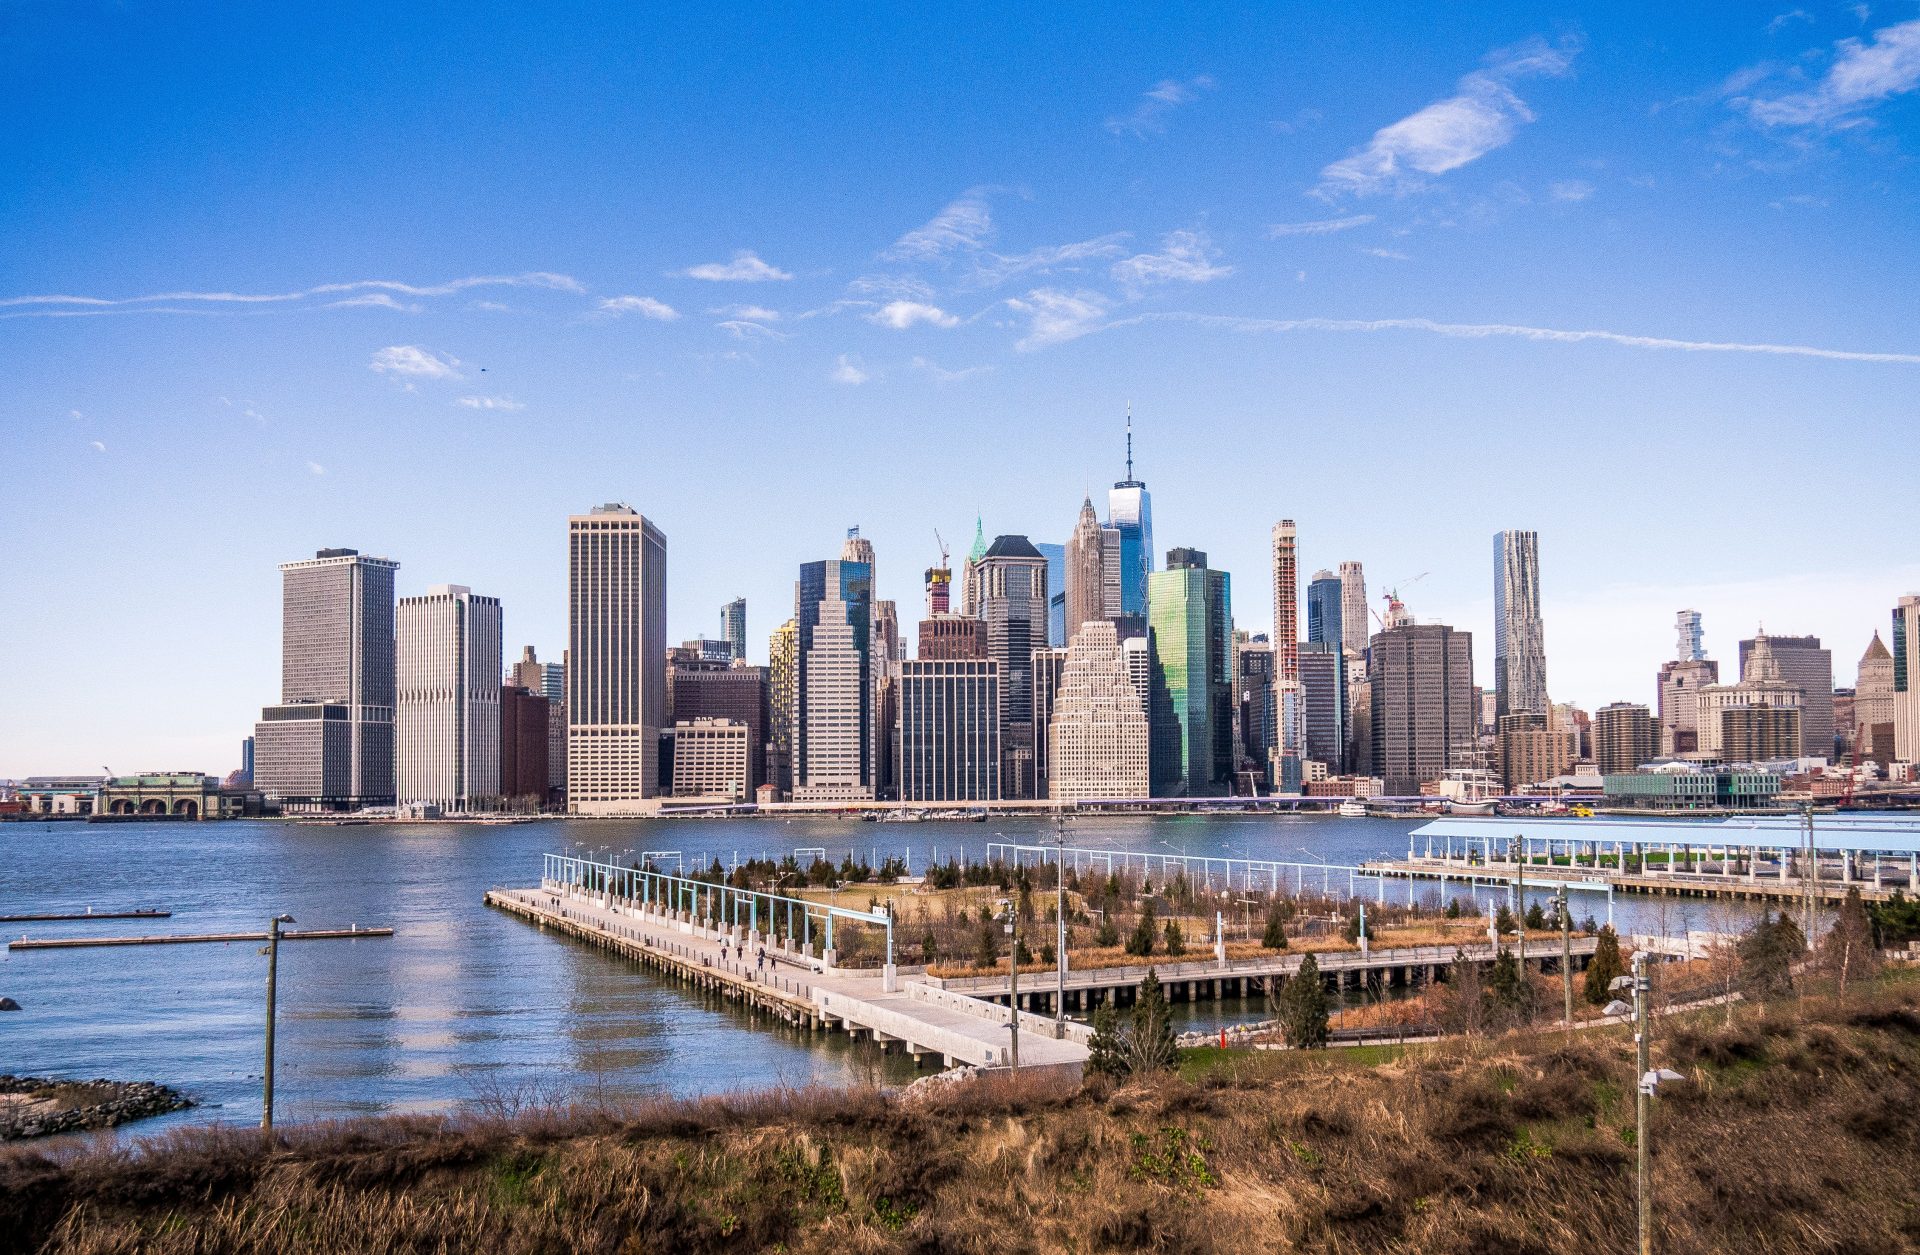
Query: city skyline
1407	287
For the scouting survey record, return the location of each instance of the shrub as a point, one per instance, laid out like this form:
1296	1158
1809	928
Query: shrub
1303	1008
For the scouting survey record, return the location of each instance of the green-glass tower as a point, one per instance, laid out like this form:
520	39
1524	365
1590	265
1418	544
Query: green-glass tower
1190	618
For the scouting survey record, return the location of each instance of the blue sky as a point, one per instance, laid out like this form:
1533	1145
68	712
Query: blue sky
425	281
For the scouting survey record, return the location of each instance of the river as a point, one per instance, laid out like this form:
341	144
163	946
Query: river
466	1007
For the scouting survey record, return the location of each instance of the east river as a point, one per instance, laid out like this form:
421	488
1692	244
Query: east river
466	1007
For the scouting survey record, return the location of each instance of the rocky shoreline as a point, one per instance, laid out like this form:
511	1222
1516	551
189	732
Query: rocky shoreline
38	1106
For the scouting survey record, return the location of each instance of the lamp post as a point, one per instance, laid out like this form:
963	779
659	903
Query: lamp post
1060	915
273	972
1013	981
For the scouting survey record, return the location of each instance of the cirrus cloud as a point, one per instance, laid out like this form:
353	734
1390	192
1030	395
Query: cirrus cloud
1862	75
901	315
745	267
413	362
645	306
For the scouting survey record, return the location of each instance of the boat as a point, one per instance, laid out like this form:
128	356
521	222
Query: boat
1352	808
1483	806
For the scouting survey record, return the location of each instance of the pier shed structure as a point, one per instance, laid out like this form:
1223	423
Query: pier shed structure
1771	856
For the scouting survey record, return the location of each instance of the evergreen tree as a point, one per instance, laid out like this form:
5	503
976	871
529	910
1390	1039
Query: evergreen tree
1352	930
1107	1050
987	950
1895	921
1303	1008
1453	908
1275	938
1150	1044
1508	986
1503	922
1605	966
1026	902
1107	934
929	947
1847	950
1767	952
1140	944
1176	940
1463	1005
1536	918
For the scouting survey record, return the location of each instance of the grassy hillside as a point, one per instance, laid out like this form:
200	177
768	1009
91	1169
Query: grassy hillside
1794	1131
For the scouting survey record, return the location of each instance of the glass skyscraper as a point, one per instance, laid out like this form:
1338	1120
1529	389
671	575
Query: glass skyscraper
1130	512
1056	556
1191	619
832	739
1324	622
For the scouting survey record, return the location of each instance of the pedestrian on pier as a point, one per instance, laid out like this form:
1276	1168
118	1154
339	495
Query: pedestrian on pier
760	959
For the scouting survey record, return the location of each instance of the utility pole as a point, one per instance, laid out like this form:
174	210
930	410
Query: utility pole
1520	902
1566	950
1060	914
1013	979
273	972
1643	1096
1809	872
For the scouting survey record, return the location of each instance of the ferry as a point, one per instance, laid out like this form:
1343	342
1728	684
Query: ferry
1352	808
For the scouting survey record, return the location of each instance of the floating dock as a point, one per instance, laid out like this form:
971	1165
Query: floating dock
187	939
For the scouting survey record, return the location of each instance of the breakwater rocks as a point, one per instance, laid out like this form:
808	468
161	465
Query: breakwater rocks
35	1106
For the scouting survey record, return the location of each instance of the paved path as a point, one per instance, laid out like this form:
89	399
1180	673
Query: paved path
926	1019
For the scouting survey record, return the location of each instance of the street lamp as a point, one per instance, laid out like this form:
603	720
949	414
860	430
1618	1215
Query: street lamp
272	952
1648	1079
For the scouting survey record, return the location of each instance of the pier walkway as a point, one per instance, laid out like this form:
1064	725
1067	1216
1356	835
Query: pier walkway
895	1009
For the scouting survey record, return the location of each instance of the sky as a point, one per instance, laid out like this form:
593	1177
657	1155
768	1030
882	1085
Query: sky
424	280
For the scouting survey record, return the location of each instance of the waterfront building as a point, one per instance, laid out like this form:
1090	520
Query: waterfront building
1189	611
1808	667
1253	684
1012	581
1873	704
329	743
1323	704
1097	736
1423	723
1056	556
447	713
1741	722
1353	608
1625	736
1086	572
736	694
733	627
1906	680
59	795
833	718
1290	719
1531	750
710	759
949	738
525	748
1130	513
1046	684
1519	637
616	659
246	748
179	794
782	670
1686	786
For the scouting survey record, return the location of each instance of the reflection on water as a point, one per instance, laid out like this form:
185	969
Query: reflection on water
465	1005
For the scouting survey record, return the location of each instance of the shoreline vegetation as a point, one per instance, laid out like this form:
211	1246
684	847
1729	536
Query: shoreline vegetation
1788	1132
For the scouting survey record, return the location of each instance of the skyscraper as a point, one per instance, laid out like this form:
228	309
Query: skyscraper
730	695
1012	581
329	743
1624	736
525	748
1097	737
949	731
447	709
1046	686
1253	678
1323	704
1130	512
1325	610
616	659
526	673
939	589
1353	608
833	717
1809	668
969	579
1519	639
1680	682
1757	719
1423	721
1086	572
1906	680
1692	643
1873	703
1190	613
1290	746
733	627
782	671
1056	556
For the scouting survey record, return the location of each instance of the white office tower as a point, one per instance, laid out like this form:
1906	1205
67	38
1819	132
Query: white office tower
1290	734
1906	681
1353	609
616	659
1097	739
447	709
833	741
1692	643
1519	639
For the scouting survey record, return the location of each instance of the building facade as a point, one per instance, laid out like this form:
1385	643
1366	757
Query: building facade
616	659
1097	737
1130	514
1253	680
738	694
1730	727
1326	610
1519	636
1625	736
733	627
336	651
1190	614
1873	703
1423	723
782	670
1086	573
833	717
1290	718
1804	664
526	718
1012	580
950	721
1906	682
1046	685
447	714
710	758
952	638
1323	704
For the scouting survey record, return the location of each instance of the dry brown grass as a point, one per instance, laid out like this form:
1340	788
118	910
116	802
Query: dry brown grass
1794	1132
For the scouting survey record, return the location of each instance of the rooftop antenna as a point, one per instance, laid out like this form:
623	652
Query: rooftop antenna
1129	442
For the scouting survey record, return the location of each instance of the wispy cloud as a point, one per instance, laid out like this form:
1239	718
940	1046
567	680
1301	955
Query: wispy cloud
1184	257
753	313
412	361
1149	117
965	223
530	279
645	306
1863	73
490	403
1324	226
747	329
376	300
1055	317
1389	254
942	375
900	315
994	269
1783	20
99	446
846	370
1482	331
746	267
314	468
1570	189
1481	115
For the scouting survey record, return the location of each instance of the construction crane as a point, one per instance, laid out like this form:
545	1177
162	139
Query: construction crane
1394	606
943	549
